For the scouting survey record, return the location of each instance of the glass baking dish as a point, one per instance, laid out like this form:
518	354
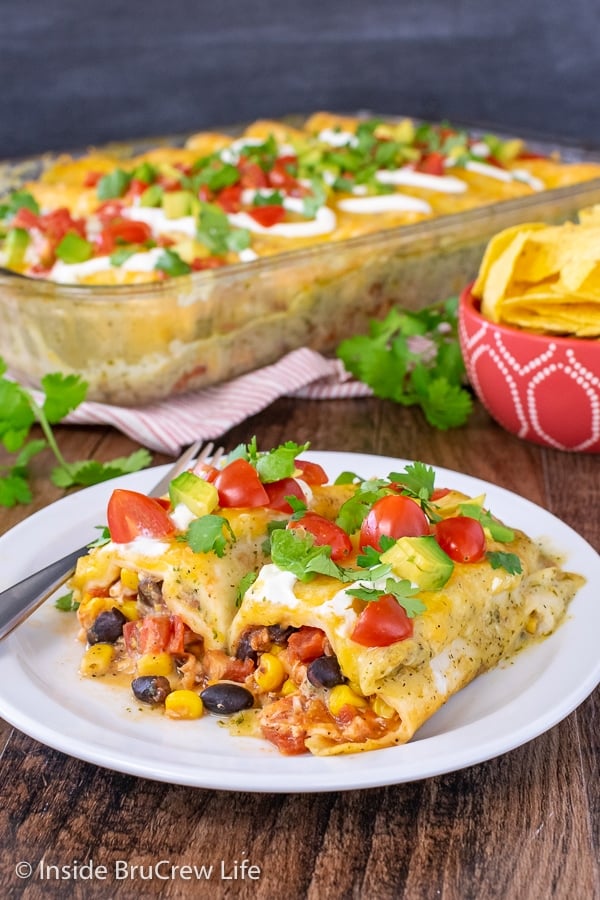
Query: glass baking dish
135	344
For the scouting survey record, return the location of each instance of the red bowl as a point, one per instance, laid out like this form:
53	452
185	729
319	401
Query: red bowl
543	389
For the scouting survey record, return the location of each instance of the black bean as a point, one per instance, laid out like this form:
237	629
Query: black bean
107	627
150	593
151	688
244	649
279	634
226	697
325	672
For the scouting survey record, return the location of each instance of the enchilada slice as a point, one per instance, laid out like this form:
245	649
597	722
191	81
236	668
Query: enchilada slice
371	655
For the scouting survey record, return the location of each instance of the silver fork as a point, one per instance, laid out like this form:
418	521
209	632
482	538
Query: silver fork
20	600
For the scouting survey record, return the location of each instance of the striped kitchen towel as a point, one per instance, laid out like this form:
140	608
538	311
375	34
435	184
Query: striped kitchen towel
171	424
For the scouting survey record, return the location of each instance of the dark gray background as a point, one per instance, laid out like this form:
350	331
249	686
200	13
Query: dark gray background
74	72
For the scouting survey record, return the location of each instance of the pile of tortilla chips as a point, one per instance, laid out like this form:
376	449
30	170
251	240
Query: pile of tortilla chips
544	278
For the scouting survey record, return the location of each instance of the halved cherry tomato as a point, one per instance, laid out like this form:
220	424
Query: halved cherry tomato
324	533
432	163
92	179
109	210
280	177
25	218
230	198
381	623
306	644
279	490
238	485
123	231
252	176
462	538
267	216
438	493
394	516
312	473
200	263
131	514
137	187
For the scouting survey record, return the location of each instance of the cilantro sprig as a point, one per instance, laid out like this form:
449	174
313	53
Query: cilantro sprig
208	533
271	465
401	590
20	411
414	358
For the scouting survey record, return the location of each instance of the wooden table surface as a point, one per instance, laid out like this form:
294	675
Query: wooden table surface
525	825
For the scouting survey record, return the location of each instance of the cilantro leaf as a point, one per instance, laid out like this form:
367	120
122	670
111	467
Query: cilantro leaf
66	603
401	590
280	462
172	264
414	358
113	184
102	539
16	414
246	582
498	532
63	393
417	480
298	554
90	471
347	478
508	561
207	533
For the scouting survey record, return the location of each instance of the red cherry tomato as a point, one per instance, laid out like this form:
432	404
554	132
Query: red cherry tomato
381	623
432	163
123	231
279	490
251	174
267	216
238	485
324	532
438	493
312	473
394	516
462	538
230	198
132	515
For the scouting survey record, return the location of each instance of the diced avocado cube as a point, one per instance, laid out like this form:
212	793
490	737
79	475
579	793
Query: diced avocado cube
177	204
152	196
200	496
421	560
15	245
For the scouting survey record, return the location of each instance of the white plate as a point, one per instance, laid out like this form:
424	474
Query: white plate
42	694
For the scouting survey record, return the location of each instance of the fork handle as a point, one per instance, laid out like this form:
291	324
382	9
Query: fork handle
20	600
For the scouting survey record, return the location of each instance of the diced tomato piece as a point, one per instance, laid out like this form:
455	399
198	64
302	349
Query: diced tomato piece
137	187
251	174
280	177
279	490
312	473
122	231
238	485
221	667
432	164
306	644
381	623
92	179
267	216
109	210
283	726
155	634
25	218
207	262
438	493
205	194
230	198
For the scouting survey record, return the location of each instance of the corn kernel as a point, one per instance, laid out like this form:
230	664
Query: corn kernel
91	607
155	664
382	709
184	704
96	660
129	579
270	674
341	695
531	624
130	610
288	687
